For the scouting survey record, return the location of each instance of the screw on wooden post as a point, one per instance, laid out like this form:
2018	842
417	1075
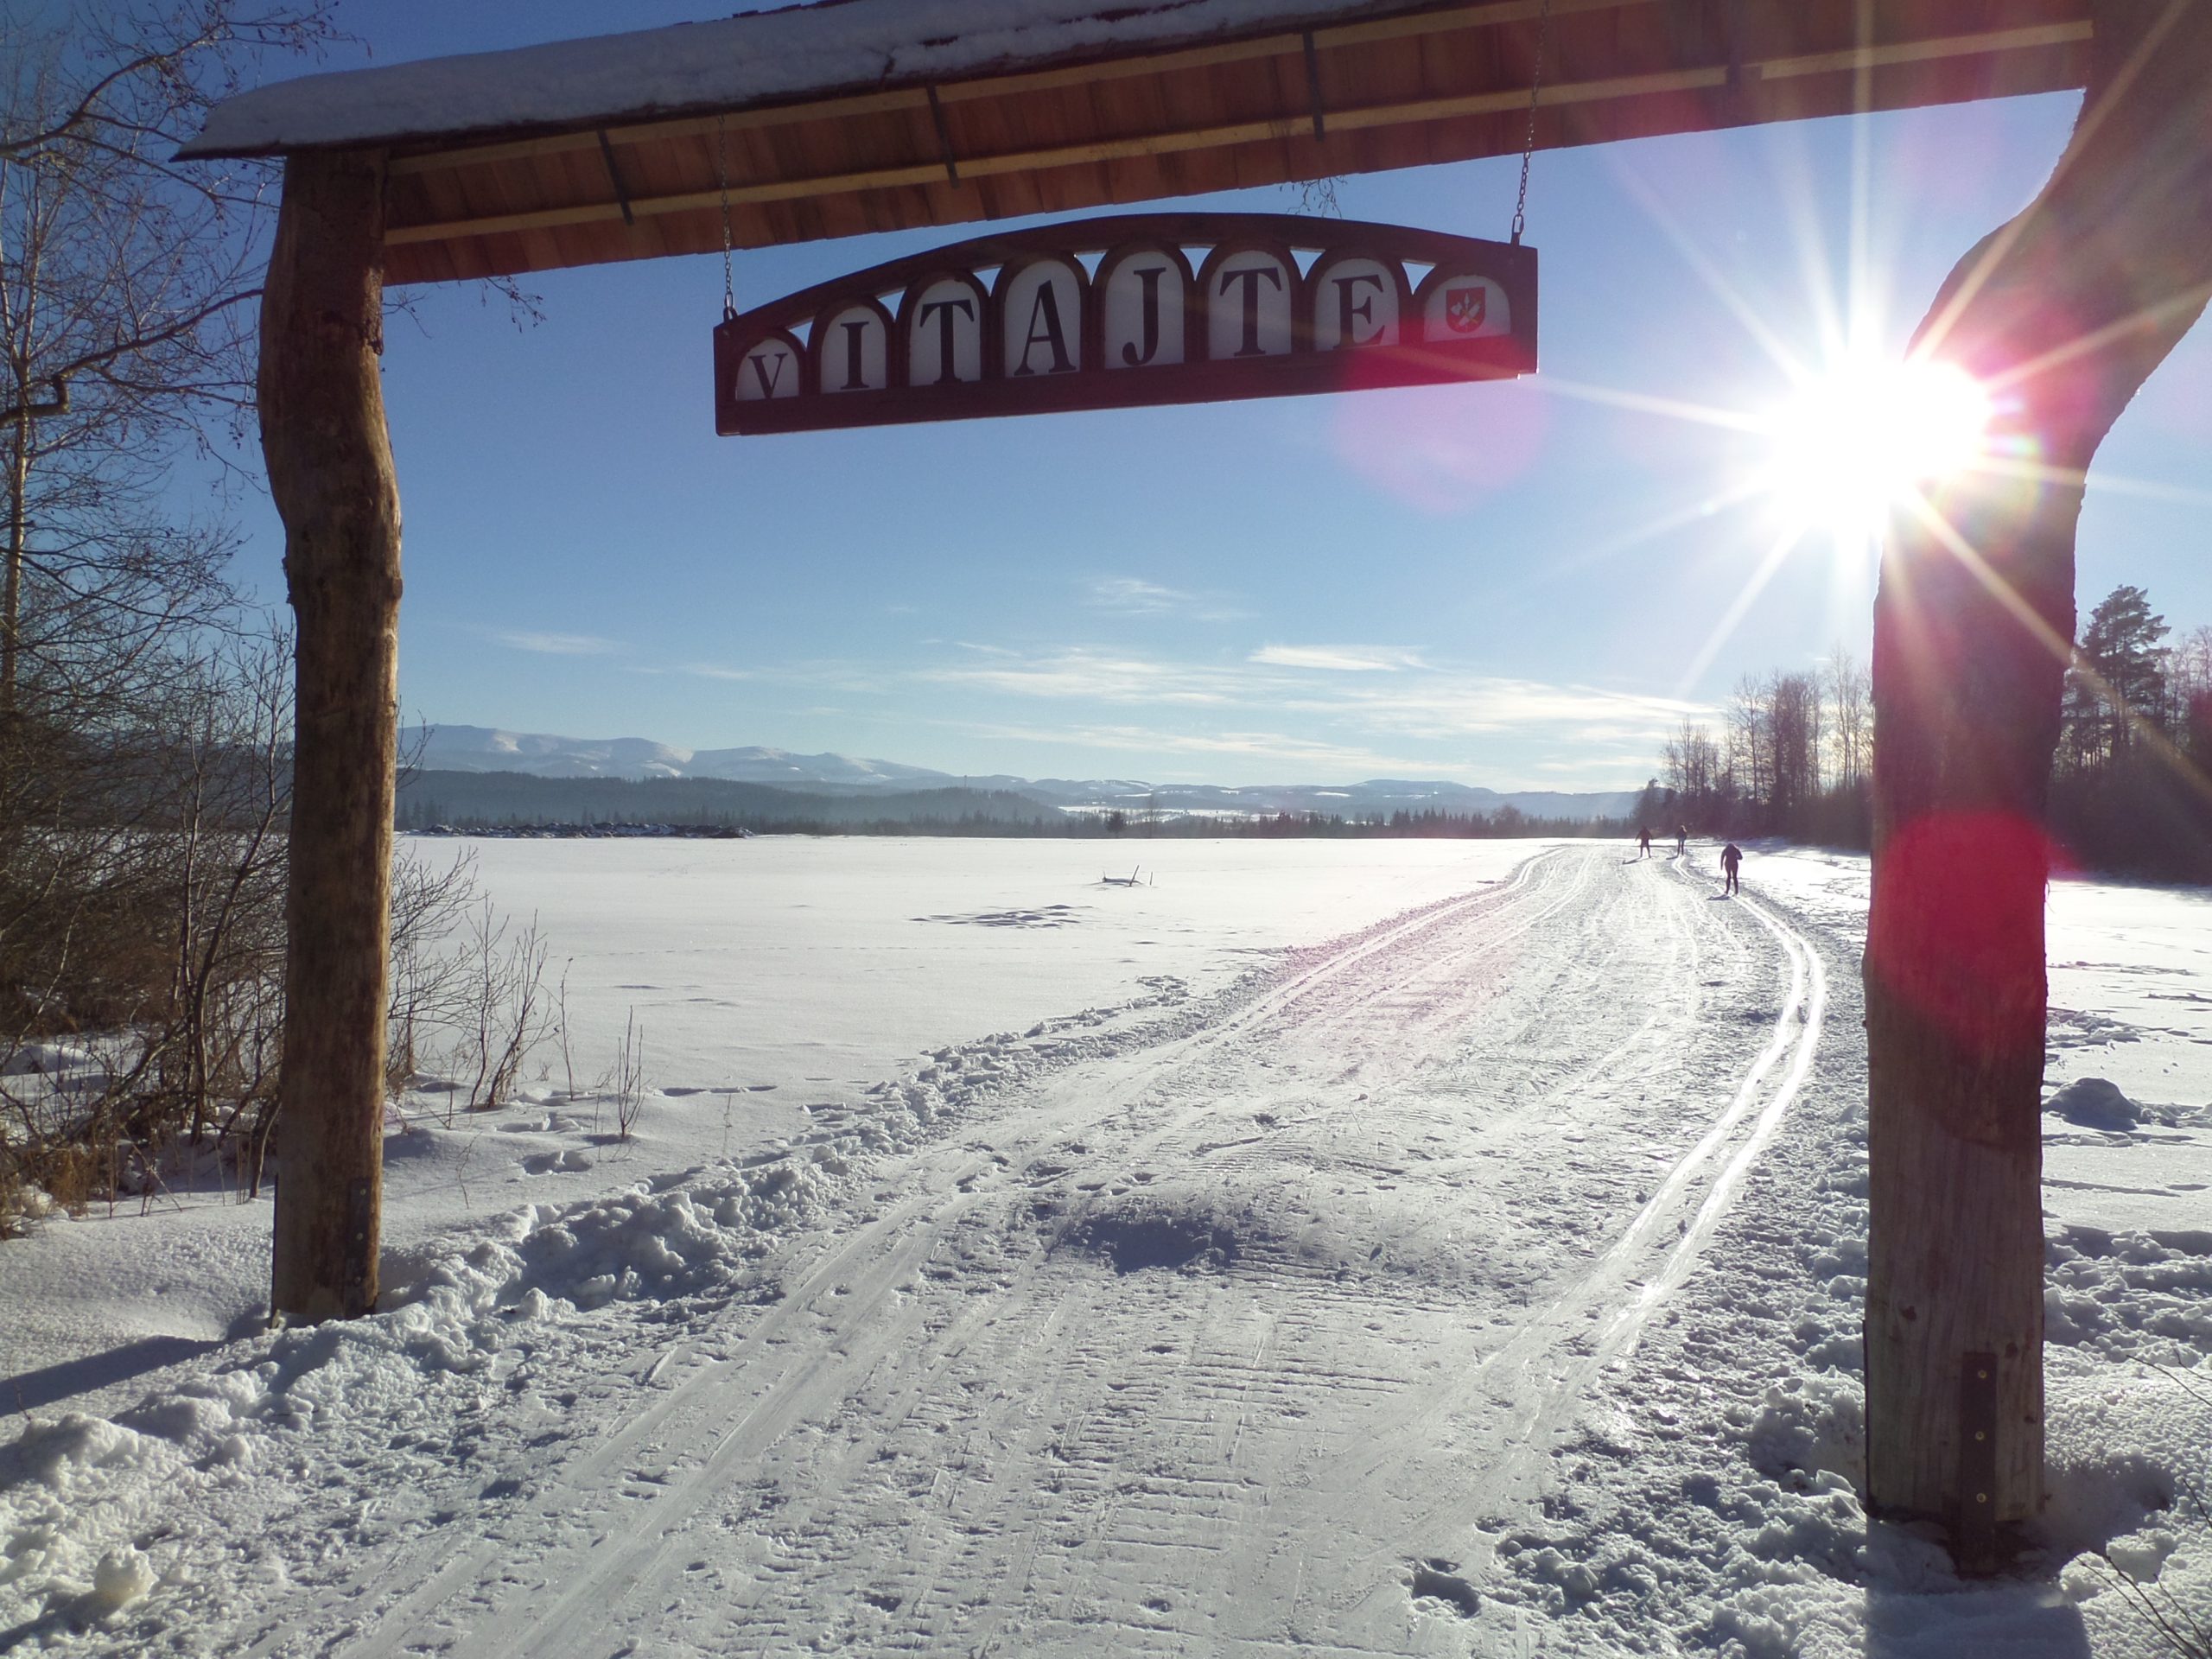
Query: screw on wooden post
1974	1526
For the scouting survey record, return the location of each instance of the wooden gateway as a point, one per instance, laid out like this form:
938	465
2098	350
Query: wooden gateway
815	121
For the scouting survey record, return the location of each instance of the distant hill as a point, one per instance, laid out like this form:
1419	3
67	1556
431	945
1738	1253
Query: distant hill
481	748
868	782
429	799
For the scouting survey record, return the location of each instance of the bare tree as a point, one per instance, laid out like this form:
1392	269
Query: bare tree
503	1015
1851	703
1751	739
126	320
1694	767
2188	688
1794	709
142	759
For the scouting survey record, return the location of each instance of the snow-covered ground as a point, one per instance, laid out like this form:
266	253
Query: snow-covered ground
1322	1248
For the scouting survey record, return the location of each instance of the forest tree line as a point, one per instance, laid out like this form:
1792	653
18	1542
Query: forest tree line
1792	753
435	802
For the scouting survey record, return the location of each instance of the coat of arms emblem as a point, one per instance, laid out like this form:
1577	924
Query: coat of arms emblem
1465	308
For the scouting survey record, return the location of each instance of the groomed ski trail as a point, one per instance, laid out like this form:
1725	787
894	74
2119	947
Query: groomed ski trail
1248	1341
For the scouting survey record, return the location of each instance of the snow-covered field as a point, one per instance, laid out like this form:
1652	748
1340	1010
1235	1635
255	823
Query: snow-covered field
1320	1248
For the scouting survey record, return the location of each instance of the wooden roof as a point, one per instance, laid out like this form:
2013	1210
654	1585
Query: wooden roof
1353	88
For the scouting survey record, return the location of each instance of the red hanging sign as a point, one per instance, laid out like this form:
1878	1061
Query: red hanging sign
1127	311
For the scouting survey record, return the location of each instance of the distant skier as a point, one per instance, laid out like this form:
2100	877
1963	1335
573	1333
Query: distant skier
1643	841
1682	839
1731	860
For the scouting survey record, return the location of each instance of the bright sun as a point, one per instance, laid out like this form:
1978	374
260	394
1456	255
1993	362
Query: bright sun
1861	439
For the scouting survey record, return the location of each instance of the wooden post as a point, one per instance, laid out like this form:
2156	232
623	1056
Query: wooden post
2064	312
330	470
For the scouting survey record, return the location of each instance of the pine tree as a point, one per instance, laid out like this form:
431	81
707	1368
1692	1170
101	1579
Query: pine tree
2119	676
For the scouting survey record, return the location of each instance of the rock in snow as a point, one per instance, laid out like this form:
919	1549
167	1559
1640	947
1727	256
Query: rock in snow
2095	1103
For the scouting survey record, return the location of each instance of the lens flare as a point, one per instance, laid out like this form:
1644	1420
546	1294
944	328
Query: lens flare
1861	441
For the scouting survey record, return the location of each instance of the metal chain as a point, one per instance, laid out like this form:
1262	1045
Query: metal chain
722	181
1528	147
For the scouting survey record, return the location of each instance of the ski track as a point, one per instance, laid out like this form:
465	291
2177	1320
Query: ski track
1247	1335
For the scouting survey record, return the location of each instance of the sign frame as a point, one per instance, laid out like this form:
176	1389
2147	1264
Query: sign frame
826	394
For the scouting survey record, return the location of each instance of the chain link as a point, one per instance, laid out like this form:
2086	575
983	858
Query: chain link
722	181
1528	147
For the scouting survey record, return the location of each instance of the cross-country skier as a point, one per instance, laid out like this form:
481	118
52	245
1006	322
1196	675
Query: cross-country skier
1731	860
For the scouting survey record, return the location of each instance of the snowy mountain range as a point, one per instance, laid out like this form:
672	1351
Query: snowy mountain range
484	749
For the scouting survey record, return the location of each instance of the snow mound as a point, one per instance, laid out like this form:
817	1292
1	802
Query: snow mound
2100	1495
2095	1103
2131	1462
74	1490
678	1236
1812	1425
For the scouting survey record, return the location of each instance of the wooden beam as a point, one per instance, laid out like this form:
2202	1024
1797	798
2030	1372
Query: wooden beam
1108	150
1903	52
1043	80
1858	59
330	472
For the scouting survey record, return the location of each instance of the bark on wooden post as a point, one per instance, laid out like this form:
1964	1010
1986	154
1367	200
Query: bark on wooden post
2064	312
322	431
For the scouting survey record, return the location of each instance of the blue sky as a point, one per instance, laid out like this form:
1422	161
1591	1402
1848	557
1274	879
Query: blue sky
1515	585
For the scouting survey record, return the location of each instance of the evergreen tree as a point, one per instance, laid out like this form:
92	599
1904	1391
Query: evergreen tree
2119	648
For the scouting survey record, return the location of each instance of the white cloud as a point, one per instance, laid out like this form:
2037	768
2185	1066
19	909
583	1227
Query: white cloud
1289	752
1133	596
1133	593
1362	708
1416	698
1445	703
1341	659
829	675
1100	675
559	644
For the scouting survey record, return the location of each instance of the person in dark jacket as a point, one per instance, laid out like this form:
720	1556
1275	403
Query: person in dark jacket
1731	860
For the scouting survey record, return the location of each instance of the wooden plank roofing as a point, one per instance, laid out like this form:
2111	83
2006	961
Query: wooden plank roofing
1068	107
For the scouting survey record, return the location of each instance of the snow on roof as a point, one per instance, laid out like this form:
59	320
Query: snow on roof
799	52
